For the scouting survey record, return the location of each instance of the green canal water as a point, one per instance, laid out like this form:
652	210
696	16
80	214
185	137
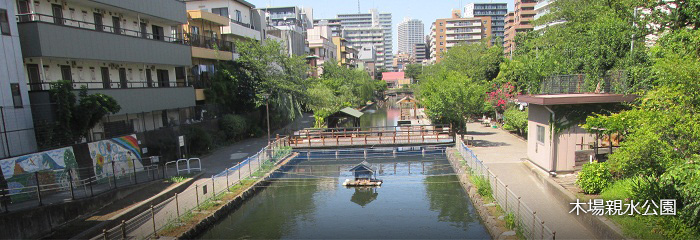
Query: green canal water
420	198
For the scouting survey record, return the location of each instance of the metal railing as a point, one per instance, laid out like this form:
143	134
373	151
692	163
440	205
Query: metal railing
409	134
612	82
38	86
167	214
37	17
196	40
527	222
57	186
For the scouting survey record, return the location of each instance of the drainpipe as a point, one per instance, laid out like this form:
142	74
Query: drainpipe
553	145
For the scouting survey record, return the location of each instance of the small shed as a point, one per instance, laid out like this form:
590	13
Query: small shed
362	171
345	115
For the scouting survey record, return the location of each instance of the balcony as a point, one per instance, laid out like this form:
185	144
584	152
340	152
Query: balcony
136	100
48	36
209	17
210	48
165	9
241	29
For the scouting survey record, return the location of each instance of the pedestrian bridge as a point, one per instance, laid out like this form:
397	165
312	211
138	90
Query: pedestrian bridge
372	136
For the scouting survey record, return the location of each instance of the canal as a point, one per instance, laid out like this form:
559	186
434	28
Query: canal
420	198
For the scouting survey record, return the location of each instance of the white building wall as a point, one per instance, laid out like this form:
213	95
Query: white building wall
410	32
16	130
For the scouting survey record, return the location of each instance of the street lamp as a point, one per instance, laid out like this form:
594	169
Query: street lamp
266	96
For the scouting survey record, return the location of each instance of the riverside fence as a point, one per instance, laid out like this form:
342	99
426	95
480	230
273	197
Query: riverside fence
168	213
57	186
527	222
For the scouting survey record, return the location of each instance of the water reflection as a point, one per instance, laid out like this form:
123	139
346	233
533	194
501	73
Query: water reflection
364	195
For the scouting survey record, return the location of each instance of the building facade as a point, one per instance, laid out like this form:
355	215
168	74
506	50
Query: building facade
321	45
542	8
245	22
448	32
345	55
292	23
371	34
517	22
496	11
403	59
410	32
16	126
133	51
419	51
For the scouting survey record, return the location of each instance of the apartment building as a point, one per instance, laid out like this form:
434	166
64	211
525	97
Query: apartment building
333	23
292	24
419	51
370	33
401	60
542	8
245	22
496	11
517	22
16	124
448	32
321	45
133	51
203	33
410	32
345	55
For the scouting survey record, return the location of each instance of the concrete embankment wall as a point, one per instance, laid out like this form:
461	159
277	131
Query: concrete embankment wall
39	221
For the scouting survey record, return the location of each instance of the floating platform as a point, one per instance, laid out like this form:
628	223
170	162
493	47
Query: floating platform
371	183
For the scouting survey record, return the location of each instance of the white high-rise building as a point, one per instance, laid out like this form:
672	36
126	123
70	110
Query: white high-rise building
410	34
542	8
371	30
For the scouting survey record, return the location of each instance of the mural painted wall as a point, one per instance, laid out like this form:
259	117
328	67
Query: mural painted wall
123	151
53	166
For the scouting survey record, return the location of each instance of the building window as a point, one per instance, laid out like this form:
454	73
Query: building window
16	95
4	23
540	134
220	11
239	18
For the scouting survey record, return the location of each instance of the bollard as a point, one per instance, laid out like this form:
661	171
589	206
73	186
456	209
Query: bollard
213	185
153	218
365	153
104	234
177	205
133	164
393	151
423	152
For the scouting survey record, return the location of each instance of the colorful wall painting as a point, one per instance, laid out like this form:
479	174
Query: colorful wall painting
53	165
123	151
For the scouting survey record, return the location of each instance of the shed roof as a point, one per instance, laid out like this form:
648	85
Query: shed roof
575	98
351	111
407	99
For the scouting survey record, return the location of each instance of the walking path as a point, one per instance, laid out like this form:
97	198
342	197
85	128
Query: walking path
503	154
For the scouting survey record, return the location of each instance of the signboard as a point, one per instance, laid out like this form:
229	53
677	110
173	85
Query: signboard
181	140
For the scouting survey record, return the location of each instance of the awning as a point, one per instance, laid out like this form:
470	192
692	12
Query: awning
352	112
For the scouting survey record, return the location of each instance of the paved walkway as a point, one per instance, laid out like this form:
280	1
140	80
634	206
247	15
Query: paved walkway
502	153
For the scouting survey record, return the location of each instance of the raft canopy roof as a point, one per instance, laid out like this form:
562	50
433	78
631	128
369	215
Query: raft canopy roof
363	166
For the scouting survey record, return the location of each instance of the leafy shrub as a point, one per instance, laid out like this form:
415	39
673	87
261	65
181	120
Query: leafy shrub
594	177
510	220
516	120
199	140
483	187
234	126
619	190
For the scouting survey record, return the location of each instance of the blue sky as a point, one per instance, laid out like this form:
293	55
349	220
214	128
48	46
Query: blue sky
424	10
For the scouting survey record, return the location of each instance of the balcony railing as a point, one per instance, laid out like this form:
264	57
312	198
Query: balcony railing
108	85
36	17
196	40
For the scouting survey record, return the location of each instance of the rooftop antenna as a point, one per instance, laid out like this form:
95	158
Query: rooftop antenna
358	7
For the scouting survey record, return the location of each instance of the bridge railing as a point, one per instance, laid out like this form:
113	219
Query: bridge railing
166	215
408	134
528	223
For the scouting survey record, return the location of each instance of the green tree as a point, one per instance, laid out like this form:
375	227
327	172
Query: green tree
413	71
449	97
76	115
478	61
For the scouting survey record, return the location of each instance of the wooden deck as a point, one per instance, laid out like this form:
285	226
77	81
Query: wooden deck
379	136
